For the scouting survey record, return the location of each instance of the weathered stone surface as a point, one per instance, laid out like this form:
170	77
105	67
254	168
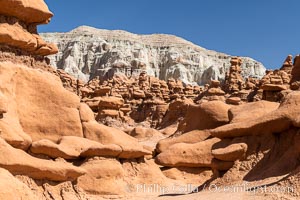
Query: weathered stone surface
70	147
191	155
189	137
12	188
189	174
83	146
215	91
107	135
234	80
231	152
295	80
86	114
287	66
261	142
18	37
15	134
20	163
18	34
273	83
44	109
163	56
108	150
30	11
140	132
176	110
273	87
205	116
93	103
104	176
110	102
233	100
251	110
273	122
53	150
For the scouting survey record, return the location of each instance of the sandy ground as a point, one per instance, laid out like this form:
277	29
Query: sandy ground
206	195
223	196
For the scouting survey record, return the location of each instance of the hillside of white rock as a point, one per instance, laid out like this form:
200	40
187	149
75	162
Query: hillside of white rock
86	52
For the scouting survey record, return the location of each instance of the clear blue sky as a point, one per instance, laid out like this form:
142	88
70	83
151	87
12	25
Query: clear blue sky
266	30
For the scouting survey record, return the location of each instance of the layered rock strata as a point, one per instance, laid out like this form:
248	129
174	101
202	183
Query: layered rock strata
86	52
53	146
18	26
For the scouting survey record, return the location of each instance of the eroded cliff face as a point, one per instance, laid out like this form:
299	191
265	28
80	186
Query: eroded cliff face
86	52
55	144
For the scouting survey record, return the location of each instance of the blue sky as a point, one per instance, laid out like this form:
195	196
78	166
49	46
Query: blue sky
266	30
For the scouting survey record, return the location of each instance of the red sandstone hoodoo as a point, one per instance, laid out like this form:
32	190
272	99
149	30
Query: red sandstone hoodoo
62	138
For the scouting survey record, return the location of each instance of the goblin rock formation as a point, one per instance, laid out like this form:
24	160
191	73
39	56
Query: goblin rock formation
62	138
86	52
18	29
215	127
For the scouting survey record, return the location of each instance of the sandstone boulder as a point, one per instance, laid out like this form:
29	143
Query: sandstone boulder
107	135
92	103
3	105
16	36
192	155
70	147
111	103
15	134
215	91
104	176
274	87
295	80
142	171
233	100
273	122
189	137
176	110
20	163
12	188
29	11
231	152
86	114
141	132
189	175
108	113
207	115
89	148
111	150
251	110
39	105
53	150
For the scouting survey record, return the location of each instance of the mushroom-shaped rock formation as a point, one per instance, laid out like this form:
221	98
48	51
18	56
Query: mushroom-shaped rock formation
18	22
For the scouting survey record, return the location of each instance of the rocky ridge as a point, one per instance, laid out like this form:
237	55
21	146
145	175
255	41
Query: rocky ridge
55	145
86	52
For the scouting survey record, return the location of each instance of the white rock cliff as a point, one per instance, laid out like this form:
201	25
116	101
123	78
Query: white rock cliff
86	52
